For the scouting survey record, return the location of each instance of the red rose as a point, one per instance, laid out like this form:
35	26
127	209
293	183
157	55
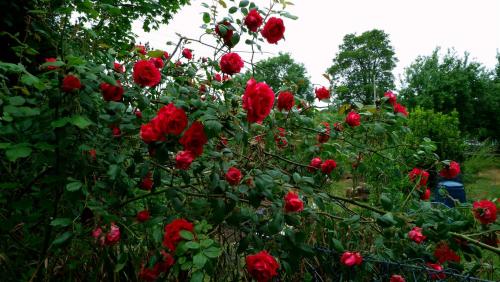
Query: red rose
141	49
147	182
150	134
397	278
96	233
450	171
71	83
143	216
353	119
485	211
436	272
51	60
116	131
293	203
315	164
398	108
172	232
426	195
273	30
148	274
233	176
138	113
258	100
93	154
118	67
262	266
194	138
285	101
166	55
227	34
158	62
323	137
113	236
231	63
390	97
253	20
183	160
416	235
146	74
203	88
338	127
443	253
170	120
322	93
111	92
217	77
161	266
351	259
328	166
186	53
421	174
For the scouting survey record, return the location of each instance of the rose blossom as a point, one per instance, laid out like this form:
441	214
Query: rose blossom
194	138
233	176
183	160
398	108
147	182
262	266
419	173
170	120
328	166
172	232
426	195
158	62
436	275
273	30
71	83
391	98
280	138
143	216
141	49
324	136
485	211
314	164
293	203
285	101
253	20
353	119
186	53
118	67
231	63
111	92
351	259
416	235
443	253
51	60
113	235
258	101
227	35
322	93
397	278
146	74
450	171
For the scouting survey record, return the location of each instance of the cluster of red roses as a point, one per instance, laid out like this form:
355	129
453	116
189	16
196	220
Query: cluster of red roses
324	136
280	138
398	108
171	121
163	265
422	176
110	238
326	167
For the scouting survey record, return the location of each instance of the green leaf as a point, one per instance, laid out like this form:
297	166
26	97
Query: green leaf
206	243
63	238
233	10
108	79
296	177
212	252
223	4
386	220
60	122
29	79
52	64
14	68
288	15
16	100
80	121
73	186
199	260
186	235
206	17
337	245
61	222
244	3
197	277
16	152
156	53
192	245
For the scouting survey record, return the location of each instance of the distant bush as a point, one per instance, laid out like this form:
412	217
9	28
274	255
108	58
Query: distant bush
443	129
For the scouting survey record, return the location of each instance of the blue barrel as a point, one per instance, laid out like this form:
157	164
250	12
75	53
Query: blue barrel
455	190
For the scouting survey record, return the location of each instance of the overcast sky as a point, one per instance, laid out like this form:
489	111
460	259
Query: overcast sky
415	28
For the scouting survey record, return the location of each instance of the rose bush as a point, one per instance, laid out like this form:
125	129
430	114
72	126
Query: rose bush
219	184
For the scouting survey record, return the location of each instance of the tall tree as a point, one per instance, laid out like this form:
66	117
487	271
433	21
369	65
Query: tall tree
283	73
363	62
450	83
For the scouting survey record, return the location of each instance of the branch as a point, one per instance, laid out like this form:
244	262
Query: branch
475	242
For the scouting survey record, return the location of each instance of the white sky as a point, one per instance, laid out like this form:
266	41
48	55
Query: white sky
415	28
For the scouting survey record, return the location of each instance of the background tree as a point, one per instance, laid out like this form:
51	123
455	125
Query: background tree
283	73
454	83
363	61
